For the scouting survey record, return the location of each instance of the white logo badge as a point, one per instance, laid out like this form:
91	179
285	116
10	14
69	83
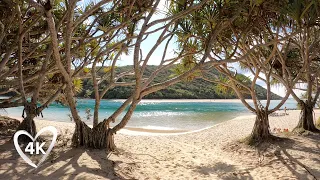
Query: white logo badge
38	146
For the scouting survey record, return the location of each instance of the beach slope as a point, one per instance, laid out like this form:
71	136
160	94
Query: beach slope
213	153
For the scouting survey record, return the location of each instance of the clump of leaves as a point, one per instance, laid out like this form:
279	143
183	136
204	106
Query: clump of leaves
88	114
222	89
106	69
186	64
88	93
86	70
78	85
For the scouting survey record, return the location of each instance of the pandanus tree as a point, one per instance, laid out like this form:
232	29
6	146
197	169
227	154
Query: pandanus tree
29	72
190	56
260	63
300	58
103	71
308	45
88	39
101	135
124	15
250	39
163	31
26	63
286	61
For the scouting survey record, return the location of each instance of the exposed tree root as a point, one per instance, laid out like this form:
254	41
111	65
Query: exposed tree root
260	130
28	125
98	137
306	123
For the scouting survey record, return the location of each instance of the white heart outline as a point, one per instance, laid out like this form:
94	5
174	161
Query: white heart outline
21	153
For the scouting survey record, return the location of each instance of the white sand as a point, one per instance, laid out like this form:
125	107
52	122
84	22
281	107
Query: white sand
205	154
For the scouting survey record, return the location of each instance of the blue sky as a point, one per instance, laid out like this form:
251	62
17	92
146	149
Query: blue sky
157	55
148	43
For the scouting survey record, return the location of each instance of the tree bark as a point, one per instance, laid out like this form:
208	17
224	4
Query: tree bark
98	137
28	123
260	130
96	113
96	94
306	122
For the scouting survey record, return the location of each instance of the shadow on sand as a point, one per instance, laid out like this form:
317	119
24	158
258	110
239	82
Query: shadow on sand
298	154
224	171
67	163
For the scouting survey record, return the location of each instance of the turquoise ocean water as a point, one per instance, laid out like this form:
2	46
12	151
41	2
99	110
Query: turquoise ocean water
154	114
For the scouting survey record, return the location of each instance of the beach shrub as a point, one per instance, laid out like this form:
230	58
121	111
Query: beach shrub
299	106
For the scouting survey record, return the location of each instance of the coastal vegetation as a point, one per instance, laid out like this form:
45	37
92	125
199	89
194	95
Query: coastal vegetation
279	48
195	89
56	50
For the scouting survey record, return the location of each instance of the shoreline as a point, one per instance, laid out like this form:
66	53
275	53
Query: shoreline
153	132
275	122
134	131
142	131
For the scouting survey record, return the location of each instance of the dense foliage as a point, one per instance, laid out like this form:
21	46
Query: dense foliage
197	89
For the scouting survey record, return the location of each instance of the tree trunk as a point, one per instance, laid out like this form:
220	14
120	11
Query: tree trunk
100	136
28	123
260	130
306	119
96	113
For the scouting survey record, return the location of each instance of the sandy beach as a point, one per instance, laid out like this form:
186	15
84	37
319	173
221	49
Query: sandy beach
211	153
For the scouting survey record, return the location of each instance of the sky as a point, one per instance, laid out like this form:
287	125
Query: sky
157	55
149	42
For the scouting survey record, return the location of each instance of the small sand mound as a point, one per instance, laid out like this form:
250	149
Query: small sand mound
8	125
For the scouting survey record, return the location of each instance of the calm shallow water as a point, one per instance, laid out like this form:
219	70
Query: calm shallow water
154	114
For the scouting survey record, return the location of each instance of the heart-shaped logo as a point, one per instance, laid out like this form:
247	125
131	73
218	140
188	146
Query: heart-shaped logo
52	129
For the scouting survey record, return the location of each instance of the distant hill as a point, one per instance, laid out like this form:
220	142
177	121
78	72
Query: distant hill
196	89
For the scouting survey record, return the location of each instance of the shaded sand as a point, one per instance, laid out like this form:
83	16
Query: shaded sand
213	153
